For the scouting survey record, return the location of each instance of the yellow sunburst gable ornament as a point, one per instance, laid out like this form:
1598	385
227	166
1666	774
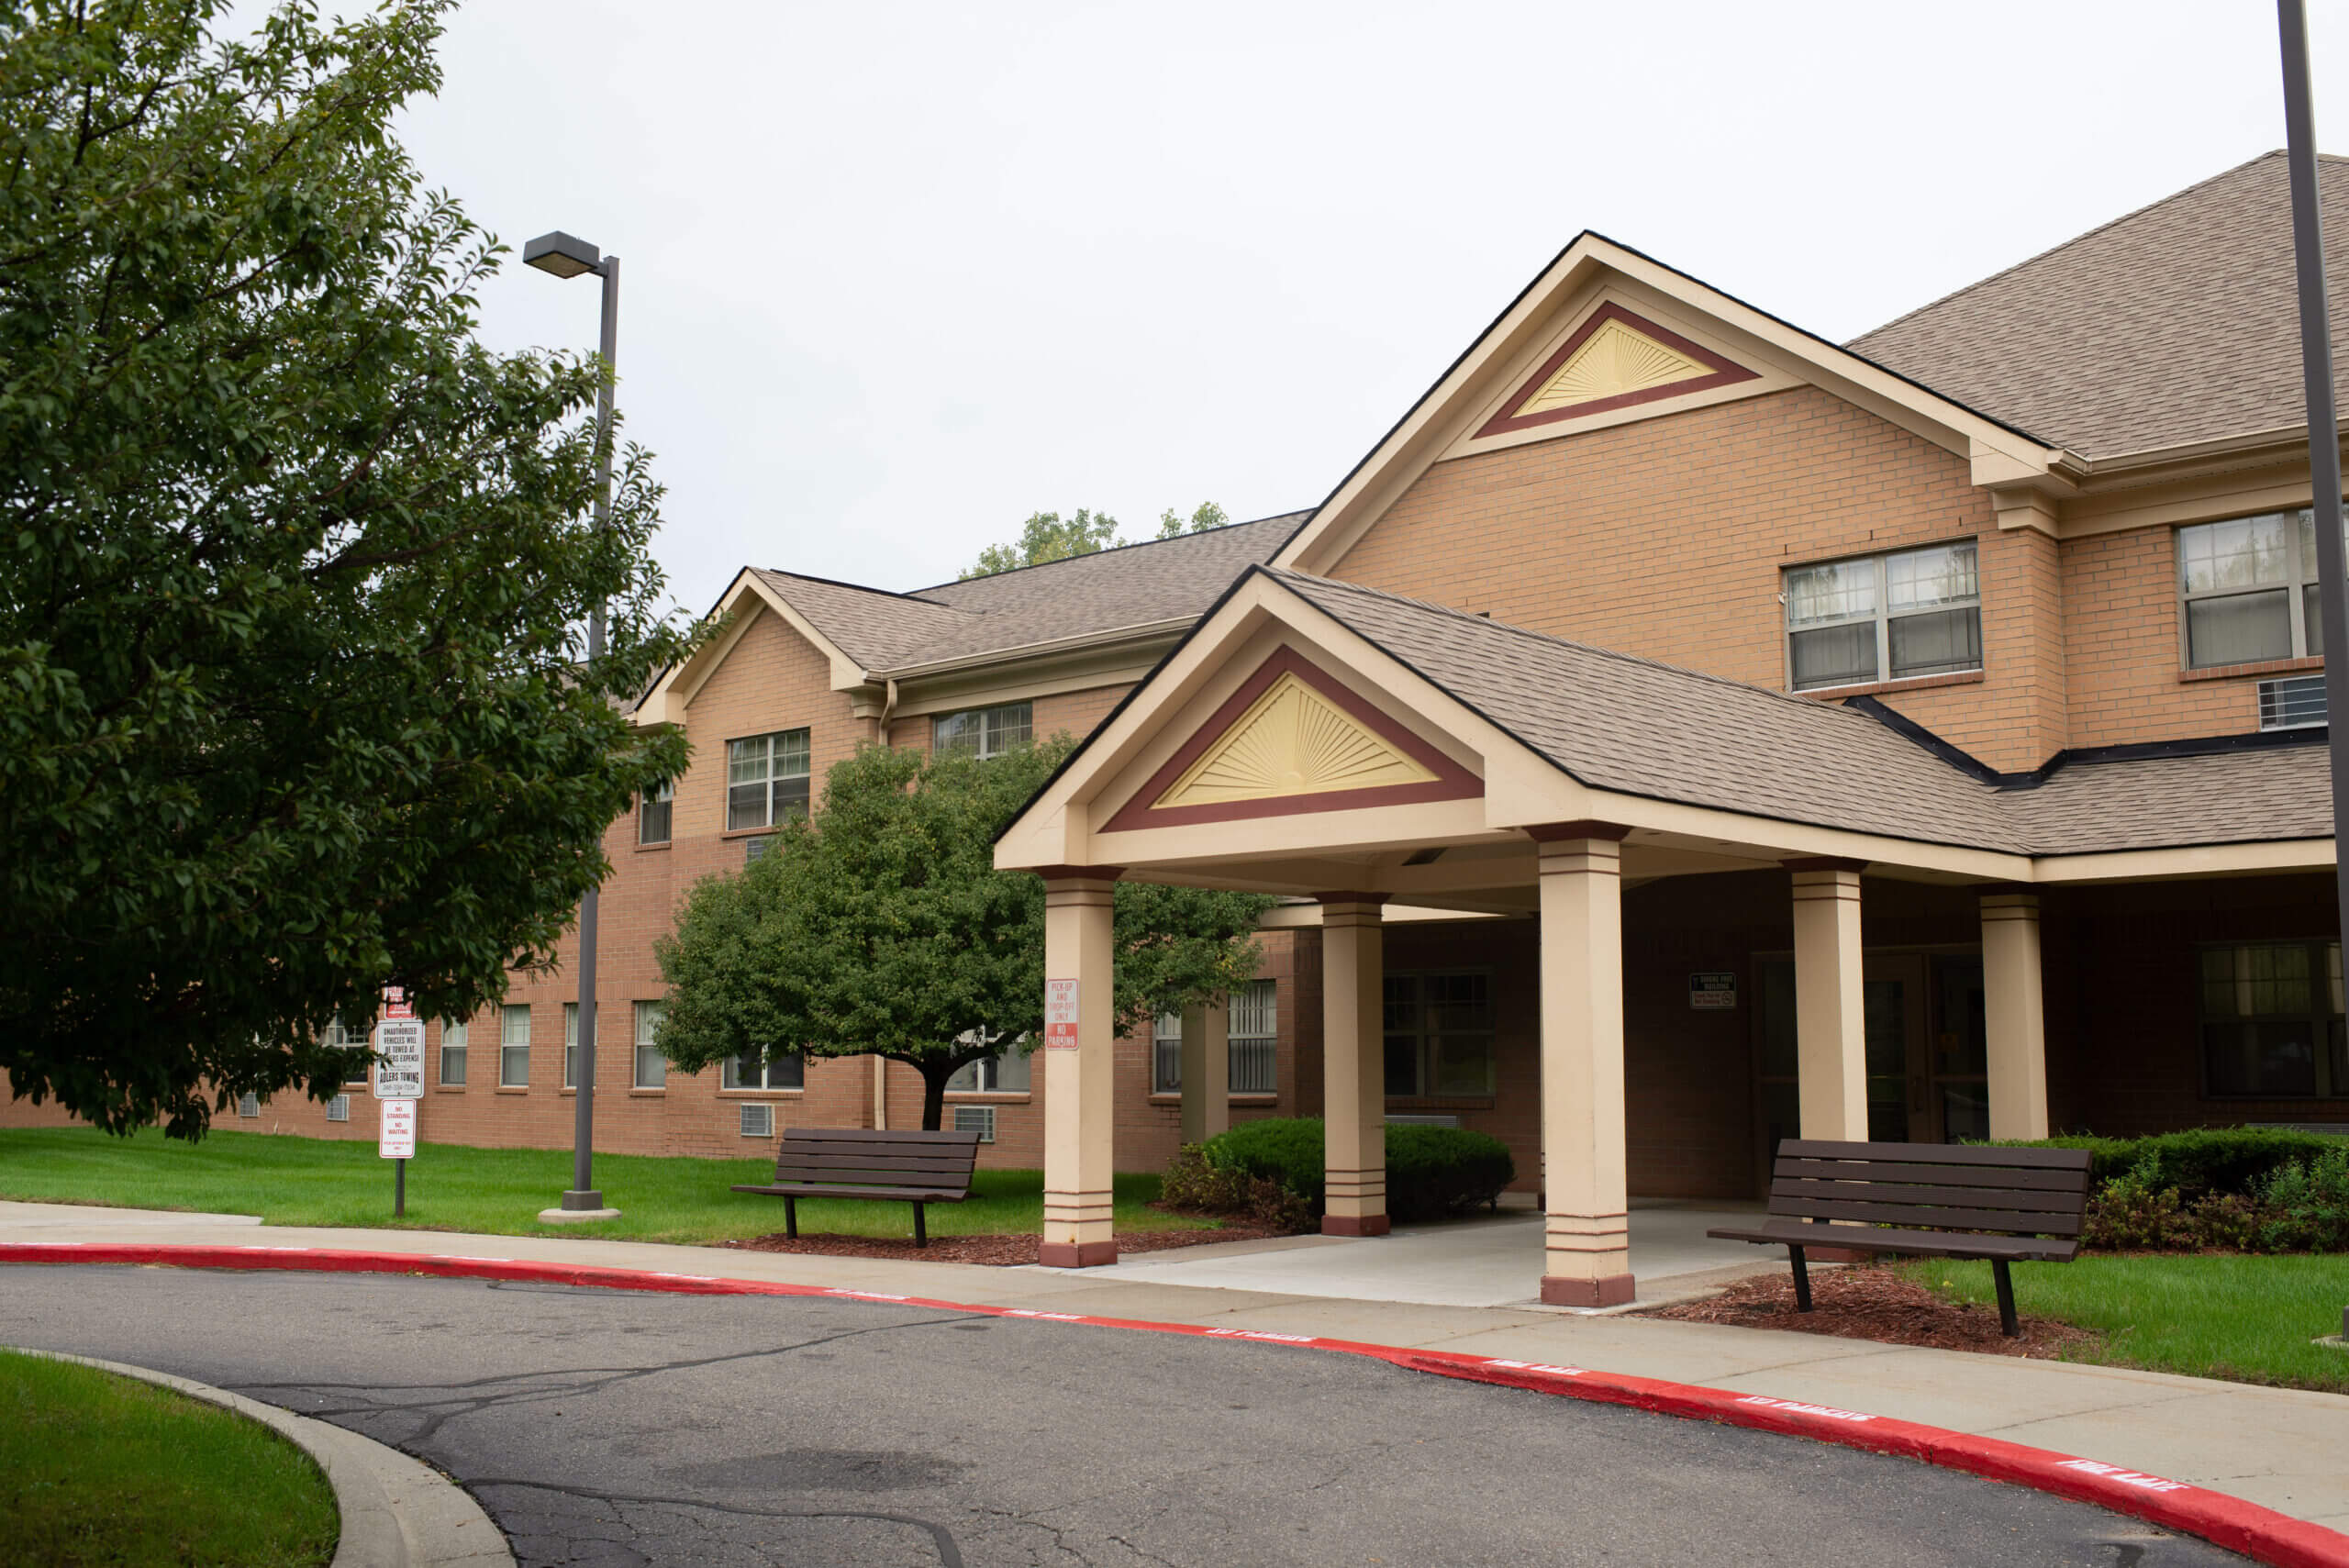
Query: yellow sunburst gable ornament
1292	741
1613	360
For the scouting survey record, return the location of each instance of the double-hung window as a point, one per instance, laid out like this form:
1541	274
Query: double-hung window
342	1036
652	1067
1006	1073
2272	1020
1884	617
774	1070
766	780
452	1053
2248	589
514	1046
1439	1033
653	812
983	731
1256	1038
570	1042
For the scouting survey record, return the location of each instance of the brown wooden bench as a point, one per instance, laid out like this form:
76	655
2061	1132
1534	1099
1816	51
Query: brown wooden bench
1926	1200
918	1168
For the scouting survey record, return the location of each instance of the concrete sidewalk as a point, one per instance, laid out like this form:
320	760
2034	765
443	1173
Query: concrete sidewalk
2279	1448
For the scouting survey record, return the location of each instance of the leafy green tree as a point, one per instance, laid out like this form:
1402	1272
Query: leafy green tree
1046	536
881	926
1205	515
292	696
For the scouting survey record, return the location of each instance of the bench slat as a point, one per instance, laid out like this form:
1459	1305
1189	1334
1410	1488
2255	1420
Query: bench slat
1939	1175
880	1135
1925	1216
910	1158
1937	1154
1916	1243
1909	1191
904	1195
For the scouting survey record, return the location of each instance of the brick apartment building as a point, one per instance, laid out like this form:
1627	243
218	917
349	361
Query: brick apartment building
1679	730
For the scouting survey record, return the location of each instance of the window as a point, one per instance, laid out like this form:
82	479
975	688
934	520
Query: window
653	812
571	1041
342	1036
514	1047
776	1072
766	780
1166	1054
2272	1020
652	1067
1006	1073
452	1051
1884	617
1439	1033
2248	589
1256	1038
982	731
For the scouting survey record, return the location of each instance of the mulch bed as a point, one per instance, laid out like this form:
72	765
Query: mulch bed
1002	1252
1873	1303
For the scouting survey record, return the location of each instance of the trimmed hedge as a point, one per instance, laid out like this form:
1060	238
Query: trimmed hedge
1431	1171
2203	1161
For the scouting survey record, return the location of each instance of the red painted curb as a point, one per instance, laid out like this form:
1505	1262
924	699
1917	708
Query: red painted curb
2257	1532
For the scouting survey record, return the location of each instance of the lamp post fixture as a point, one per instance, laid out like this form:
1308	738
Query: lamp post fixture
566	257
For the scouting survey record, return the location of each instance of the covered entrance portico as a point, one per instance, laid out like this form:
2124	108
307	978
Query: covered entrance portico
1331	743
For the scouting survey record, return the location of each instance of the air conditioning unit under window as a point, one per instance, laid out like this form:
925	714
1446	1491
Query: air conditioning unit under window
758	1121
975	1118
248	1105
2296	702
338	1108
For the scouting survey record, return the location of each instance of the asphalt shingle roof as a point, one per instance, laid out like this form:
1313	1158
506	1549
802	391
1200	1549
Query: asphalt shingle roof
1641	728
1133	585
2175	324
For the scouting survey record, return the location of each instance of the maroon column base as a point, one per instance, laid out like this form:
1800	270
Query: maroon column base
1608	1290
1353	1225
1076	1254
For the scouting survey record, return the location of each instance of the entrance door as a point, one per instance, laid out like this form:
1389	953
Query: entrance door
1921	1021
1892	1010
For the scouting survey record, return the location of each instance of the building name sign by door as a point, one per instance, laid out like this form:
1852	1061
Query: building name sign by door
1713	991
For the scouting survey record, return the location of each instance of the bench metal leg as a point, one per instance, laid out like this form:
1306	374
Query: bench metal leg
791	1218
921	1232
1802	1279
2006	1324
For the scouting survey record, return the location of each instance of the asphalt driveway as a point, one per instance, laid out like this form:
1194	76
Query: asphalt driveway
613	1428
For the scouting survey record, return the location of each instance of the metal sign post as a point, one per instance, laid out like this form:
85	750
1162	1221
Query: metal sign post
399	1084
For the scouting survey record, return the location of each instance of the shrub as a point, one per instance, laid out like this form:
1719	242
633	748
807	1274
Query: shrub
1288	1149
2198	1161
2129	1217
2308	1205
1431	1171
1193	1184
1435	1171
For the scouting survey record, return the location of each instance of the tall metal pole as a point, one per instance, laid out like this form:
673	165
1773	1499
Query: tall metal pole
583	1193
2325	429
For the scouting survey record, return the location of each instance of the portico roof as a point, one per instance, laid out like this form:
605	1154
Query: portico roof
1625	730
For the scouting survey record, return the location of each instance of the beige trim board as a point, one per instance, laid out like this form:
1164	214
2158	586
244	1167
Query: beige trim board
2272	856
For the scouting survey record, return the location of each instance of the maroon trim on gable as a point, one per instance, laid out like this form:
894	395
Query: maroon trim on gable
1726	372
1452	782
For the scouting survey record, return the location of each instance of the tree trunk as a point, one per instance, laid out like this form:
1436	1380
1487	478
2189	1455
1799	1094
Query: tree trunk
933	1092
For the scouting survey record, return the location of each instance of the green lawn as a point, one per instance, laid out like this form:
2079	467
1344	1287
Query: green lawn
2248	1319
98	1470
311	1181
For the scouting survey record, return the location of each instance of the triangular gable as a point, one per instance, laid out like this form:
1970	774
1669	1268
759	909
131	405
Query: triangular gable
1497	378
1292	739
1614	359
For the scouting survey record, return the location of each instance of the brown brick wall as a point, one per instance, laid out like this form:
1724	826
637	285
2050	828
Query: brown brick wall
1666	538
2123	649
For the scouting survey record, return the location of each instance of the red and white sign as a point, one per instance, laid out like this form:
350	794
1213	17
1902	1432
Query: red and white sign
396	1138
1060	1014
395	1003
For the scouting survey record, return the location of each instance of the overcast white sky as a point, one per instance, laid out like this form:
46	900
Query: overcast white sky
898	275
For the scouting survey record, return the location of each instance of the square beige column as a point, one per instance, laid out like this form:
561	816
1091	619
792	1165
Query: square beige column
1080	1062
1586	1232
1353	1063
2014	1014
1207	1071
1830	1032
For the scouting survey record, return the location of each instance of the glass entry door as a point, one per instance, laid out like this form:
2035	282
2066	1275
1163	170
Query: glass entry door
1921	1021
1892	1010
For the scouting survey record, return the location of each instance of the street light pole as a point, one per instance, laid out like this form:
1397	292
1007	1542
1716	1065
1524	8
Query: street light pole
566	257
2325	429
